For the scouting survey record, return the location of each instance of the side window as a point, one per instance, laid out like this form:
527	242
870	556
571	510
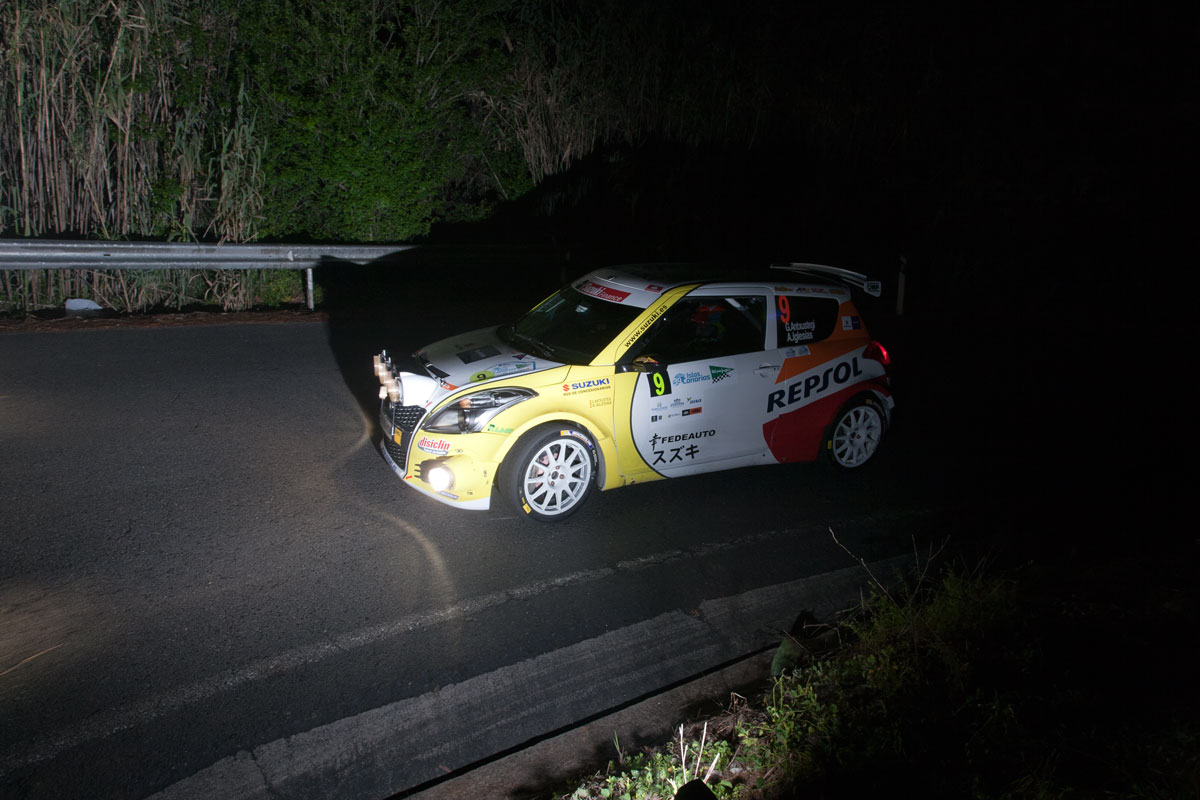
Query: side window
699	328
803	320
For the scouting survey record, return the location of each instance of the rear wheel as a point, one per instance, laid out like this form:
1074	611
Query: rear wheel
855	434
549	474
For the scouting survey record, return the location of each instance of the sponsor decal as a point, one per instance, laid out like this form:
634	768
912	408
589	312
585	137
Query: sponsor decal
603	292
683	378
600	401
814	384
676	403
672	454
715	375
654	287
689	412
720	373
646	323
507	368
433	445
493	428
656	440
444	493
793	352
665	454
851	323
594	385
576	435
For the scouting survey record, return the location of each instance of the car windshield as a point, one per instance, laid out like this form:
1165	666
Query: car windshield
569	327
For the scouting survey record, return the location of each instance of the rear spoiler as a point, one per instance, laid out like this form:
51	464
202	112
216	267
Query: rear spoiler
844	276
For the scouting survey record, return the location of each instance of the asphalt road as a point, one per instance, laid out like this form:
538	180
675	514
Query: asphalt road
210	579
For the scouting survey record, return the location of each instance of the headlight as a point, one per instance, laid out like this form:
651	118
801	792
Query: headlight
439	477
470	413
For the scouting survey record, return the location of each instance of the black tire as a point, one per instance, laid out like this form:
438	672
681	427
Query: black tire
856	433
550	473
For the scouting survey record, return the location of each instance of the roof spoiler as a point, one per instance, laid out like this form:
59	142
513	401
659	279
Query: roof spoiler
845	276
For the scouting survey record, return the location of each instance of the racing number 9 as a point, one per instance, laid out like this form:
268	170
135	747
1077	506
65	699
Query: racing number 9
785	310
659	385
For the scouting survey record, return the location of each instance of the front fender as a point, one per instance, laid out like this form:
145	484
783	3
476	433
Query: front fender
603	442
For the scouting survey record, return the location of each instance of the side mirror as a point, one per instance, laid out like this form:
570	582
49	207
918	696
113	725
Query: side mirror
641	366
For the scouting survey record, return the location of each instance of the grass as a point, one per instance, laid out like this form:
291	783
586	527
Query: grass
1059	680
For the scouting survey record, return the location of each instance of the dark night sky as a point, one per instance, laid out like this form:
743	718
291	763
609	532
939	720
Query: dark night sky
1031	165
952	135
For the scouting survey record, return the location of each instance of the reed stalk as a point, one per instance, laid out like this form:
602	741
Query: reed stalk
95	142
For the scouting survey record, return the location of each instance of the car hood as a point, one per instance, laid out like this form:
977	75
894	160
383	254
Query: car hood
477	357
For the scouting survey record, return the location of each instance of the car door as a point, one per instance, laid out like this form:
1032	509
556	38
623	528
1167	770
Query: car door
702	372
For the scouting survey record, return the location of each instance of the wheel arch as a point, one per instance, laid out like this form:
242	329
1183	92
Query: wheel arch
866	395
601	444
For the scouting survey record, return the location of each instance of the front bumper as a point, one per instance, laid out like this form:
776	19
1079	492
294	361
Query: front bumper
401	433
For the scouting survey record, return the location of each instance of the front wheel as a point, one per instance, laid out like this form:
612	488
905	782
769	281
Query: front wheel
550	472
855	434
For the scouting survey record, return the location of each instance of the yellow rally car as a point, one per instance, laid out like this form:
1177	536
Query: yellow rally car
630	375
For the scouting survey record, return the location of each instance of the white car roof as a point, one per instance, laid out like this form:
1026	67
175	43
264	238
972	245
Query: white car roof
640	285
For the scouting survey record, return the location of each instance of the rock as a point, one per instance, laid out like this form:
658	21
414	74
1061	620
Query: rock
77	307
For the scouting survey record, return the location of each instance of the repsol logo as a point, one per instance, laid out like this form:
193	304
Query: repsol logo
817	383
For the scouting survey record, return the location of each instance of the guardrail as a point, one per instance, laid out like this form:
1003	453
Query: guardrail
24	254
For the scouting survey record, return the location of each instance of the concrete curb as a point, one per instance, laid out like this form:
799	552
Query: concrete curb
563	701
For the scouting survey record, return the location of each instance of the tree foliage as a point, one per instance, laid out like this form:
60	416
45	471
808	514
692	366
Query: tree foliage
353	120
234	119
370	135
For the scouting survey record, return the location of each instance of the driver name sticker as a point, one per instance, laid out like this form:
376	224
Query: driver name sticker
796	332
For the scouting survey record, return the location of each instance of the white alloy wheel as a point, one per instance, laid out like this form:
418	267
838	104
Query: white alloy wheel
553	473
856	435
